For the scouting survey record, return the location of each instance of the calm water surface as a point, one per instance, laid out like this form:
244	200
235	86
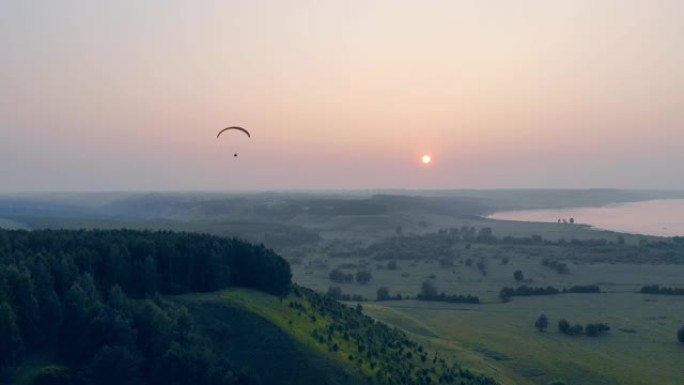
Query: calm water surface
656	217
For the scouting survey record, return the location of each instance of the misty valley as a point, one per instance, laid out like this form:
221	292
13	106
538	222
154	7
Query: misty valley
384	287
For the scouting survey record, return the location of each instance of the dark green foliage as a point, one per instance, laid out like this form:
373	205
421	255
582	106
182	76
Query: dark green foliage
52	375
541	323
595	330
485	235
507	293
143	262
559	267
68	292
339	276
443	243
573	330
583	289
114	366
657	289
335	292
394	358
11	343
518	275
429	292
363	277
680	335
591	330
383	293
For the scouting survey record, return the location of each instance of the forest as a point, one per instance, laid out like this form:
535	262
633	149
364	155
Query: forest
89	303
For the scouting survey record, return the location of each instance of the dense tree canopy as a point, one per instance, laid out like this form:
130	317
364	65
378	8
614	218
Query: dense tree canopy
144	262
72	292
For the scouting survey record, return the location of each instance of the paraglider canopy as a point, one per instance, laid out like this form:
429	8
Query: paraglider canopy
233	128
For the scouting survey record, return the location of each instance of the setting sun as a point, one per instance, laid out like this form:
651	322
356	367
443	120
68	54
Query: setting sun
426	159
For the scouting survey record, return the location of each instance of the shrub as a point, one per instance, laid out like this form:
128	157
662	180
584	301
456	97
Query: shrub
541	323
518	275
383	293
337	275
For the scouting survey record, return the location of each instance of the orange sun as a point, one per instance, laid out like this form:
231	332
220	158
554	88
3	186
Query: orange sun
426	159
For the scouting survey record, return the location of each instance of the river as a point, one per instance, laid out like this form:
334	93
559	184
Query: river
656	217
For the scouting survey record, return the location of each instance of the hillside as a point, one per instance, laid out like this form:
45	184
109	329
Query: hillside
339	335
254	342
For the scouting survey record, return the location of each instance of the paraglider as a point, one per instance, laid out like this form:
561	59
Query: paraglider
234	128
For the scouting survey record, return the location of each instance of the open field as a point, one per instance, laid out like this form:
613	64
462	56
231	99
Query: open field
500	339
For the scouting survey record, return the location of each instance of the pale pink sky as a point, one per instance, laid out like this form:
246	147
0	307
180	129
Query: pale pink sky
129	95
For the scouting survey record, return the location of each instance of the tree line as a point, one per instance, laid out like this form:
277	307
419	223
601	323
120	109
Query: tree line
565	327
145	262
507	293
437	245
429	292
657	289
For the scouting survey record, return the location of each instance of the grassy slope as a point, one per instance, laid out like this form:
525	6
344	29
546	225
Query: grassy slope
314	359
252	340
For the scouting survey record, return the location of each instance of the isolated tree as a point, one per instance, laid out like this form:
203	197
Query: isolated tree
518	275
504	261
383	293
427	291
542	322
680	334
572	221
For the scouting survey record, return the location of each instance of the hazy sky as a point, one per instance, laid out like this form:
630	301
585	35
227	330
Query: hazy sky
129	95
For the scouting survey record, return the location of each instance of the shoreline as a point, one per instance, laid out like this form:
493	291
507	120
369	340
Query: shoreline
656	218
